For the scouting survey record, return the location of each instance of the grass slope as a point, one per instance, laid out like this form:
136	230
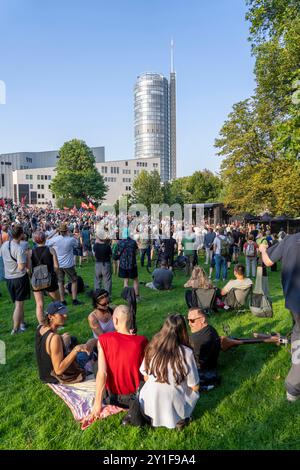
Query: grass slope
248	410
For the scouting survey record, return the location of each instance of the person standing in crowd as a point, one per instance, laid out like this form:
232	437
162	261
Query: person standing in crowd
168	254
288	252
43	255
120	355
208	244
15	269
188	244
221	250
250	250
143	243
127	249
64	245
86	239
103	268
171	387
77	251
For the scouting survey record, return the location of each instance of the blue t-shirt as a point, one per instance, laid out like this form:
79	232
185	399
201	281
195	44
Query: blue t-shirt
288	251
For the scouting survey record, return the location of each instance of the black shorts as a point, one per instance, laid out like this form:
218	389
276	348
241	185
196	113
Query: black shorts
53	286
128	273
19	289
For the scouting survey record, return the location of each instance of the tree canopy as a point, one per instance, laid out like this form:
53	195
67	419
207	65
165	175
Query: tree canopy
260	140
77	179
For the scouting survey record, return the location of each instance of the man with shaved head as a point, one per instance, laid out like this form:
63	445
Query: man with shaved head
120	355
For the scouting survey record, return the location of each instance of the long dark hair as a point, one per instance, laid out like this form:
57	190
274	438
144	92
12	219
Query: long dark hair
166	348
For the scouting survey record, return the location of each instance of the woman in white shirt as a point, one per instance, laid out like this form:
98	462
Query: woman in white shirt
171	378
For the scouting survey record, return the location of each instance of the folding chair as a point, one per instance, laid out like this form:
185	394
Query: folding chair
238	299
204	299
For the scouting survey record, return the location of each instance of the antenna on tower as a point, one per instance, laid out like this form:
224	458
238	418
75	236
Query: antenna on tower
172	55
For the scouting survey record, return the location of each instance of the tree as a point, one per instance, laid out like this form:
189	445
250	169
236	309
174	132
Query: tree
260	140
147	189
77	177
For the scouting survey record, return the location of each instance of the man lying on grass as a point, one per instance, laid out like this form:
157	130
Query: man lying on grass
57	362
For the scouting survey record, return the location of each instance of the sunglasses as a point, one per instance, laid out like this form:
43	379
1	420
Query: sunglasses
192	320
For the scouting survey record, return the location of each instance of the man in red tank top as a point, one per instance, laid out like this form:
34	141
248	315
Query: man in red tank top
120	355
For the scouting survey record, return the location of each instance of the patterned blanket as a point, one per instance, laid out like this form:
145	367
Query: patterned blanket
80	399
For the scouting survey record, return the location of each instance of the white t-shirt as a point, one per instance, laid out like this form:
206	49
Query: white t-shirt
237	284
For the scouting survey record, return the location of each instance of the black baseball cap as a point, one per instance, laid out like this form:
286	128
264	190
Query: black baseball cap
56	307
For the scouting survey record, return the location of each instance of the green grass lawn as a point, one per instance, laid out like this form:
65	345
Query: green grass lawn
248	410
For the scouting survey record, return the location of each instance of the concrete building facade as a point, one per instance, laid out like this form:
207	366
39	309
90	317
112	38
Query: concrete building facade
9	162
34	184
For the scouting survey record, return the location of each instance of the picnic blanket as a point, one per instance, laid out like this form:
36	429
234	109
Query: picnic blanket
80	399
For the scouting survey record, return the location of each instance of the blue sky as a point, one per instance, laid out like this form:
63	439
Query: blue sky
70	68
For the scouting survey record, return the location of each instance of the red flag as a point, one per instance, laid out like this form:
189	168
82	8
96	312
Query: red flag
84	205
2	202
91	206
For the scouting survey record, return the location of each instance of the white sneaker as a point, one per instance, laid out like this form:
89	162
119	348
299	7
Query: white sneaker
22	327
292	398
14	332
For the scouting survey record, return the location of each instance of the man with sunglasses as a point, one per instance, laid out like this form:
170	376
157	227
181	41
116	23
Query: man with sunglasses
206	344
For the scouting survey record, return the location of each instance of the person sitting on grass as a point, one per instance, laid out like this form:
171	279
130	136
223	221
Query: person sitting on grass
120	355
162	278
240	282
57	362
100	319
206	345
171	378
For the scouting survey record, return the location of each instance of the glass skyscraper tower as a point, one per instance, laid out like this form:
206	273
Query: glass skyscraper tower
155	120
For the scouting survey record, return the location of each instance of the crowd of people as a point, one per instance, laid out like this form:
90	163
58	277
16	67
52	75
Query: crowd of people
157	380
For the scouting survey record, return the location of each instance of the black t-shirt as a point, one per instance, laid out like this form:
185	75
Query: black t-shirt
236	236
42	255
102	252
288	251
206	345
254	233
169	246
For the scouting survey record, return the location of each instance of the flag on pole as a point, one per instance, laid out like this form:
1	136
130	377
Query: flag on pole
91	206
84	205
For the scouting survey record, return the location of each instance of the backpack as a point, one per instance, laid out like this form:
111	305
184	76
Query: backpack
250	250
223	246
41	278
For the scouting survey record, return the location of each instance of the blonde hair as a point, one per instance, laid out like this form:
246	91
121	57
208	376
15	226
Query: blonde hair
198	279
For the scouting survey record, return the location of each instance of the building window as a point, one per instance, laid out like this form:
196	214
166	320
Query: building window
2	180
126	163
39	196
42	177
53	196
38	177
46	177
31	186
49	177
